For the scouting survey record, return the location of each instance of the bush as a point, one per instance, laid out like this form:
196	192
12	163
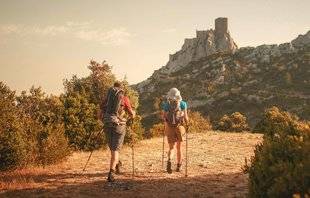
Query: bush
31	126
274	121
45	128
134	132
81	122
280	167
15	147
198	123
236	122
157	130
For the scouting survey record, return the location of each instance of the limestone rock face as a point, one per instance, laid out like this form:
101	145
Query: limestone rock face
193	64
248	79
204	44
264	53
302	40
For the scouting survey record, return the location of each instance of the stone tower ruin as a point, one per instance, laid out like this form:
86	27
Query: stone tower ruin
221	26
205	43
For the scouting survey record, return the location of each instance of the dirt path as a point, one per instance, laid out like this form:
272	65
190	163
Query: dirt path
215	160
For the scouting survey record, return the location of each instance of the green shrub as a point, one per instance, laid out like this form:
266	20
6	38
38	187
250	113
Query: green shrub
274	121
53	145
45	127
31	127
135	131
81	122
157	130
236	122
280	167
16	149
198	123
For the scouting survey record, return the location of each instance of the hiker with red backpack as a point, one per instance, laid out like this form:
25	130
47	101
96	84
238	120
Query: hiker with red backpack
113	110
174	113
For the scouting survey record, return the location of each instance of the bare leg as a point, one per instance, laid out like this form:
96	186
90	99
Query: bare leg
179	154
114	159
170	155
170	151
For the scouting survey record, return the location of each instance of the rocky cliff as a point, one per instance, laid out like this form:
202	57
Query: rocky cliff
216	78
204	44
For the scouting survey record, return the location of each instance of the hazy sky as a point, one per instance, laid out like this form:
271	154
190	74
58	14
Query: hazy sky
43	42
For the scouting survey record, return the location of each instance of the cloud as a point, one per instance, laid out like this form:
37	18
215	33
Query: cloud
115	36
84	31
48	30
22	30
9	29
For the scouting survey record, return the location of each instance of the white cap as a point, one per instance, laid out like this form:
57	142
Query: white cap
174	94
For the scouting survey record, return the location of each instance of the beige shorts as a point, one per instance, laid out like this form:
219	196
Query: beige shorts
174	134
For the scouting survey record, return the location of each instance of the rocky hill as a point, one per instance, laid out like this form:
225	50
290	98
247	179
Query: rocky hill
217	78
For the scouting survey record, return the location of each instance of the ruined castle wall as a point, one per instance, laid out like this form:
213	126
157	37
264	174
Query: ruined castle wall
221	26
205	43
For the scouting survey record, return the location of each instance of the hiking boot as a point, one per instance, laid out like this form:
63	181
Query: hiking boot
169	170
118	168
178	169
111	176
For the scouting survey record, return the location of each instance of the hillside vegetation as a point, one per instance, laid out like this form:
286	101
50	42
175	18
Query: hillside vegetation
247	81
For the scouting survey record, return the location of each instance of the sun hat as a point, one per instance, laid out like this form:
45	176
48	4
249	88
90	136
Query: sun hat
174	94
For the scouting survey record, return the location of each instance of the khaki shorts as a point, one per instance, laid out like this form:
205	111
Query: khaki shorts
174	134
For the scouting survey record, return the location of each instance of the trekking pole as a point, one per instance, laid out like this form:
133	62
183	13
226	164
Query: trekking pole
133	159
91	153
130	123
186	148
163	153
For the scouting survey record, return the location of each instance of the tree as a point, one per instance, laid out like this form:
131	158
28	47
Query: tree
13	148
46	126
32	131
82	102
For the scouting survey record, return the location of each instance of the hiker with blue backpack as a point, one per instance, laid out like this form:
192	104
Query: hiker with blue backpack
113	112
175	116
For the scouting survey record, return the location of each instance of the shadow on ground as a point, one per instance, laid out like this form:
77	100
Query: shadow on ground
95	185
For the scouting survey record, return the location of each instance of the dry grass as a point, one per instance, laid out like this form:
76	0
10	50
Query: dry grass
26	178
215	160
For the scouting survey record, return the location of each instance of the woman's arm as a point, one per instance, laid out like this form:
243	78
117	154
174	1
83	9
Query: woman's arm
164	115
186	116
